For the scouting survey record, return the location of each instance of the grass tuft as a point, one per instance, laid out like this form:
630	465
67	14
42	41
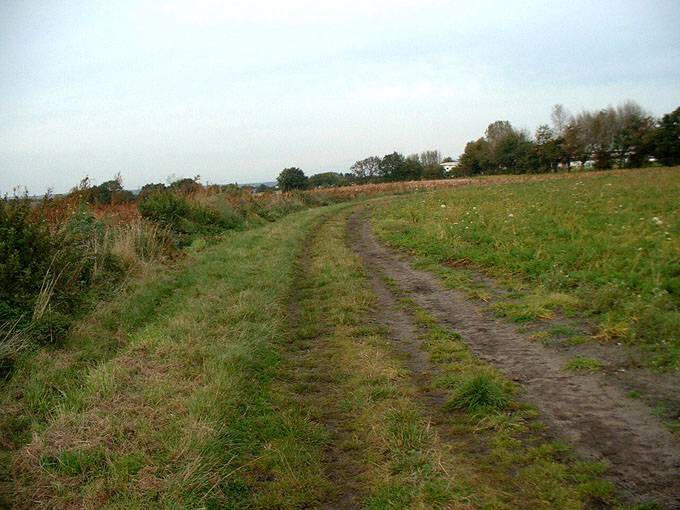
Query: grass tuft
582	363
480	394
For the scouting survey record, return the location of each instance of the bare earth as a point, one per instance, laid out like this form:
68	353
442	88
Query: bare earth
588	411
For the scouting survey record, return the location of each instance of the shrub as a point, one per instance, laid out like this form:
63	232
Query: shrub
45	275
165	208
283	207
50	327
185	218
25	256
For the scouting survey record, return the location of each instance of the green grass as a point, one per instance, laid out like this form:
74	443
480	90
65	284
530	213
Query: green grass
253	376
180	410
584	364
344	375
605	246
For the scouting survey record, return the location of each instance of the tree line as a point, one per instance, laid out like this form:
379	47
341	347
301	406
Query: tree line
389	168
625	136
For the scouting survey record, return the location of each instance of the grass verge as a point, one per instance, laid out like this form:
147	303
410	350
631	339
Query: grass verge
181	413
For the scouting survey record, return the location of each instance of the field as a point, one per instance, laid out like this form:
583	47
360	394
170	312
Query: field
607	248
497	343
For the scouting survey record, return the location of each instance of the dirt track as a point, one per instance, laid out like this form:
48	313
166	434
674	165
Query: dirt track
593	415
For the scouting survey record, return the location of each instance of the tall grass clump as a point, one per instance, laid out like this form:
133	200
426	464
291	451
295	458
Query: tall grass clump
12	344
481	393
139	242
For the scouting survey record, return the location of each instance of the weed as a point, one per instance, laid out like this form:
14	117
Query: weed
543	337
406	431
562	331
610	331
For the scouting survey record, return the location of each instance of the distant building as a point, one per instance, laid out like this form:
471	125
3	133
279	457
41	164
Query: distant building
449	165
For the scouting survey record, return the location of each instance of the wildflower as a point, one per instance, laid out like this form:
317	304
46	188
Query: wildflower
443	206
511	215
657	220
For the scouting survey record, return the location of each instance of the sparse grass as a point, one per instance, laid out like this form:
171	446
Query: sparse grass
562	331
603	245
537	307
578	340
584	364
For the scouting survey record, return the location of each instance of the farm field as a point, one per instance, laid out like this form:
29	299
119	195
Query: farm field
506	345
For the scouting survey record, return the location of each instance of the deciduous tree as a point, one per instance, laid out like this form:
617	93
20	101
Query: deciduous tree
292	178
366	169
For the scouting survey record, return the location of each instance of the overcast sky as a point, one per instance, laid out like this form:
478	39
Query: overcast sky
236	91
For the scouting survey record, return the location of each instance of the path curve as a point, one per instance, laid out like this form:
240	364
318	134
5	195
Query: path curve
594	416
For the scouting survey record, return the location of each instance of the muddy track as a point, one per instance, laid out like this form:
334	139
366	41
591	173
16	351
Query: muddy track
593	415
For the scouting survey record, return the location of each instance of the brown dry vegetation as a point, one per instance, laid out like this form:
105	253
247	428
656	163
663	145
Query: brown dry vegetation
388	188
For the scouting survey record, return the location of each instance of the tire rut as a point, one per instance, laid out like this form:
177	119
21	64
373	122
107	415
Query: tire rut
592	414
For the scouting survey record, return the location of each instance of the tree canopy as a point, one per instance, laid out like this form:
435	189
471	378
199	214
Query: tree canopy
623	136
292	178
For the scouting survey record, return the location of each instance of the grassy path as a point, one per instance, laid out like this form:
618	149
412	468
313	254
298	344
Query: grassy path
274	373
382	453
392	444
